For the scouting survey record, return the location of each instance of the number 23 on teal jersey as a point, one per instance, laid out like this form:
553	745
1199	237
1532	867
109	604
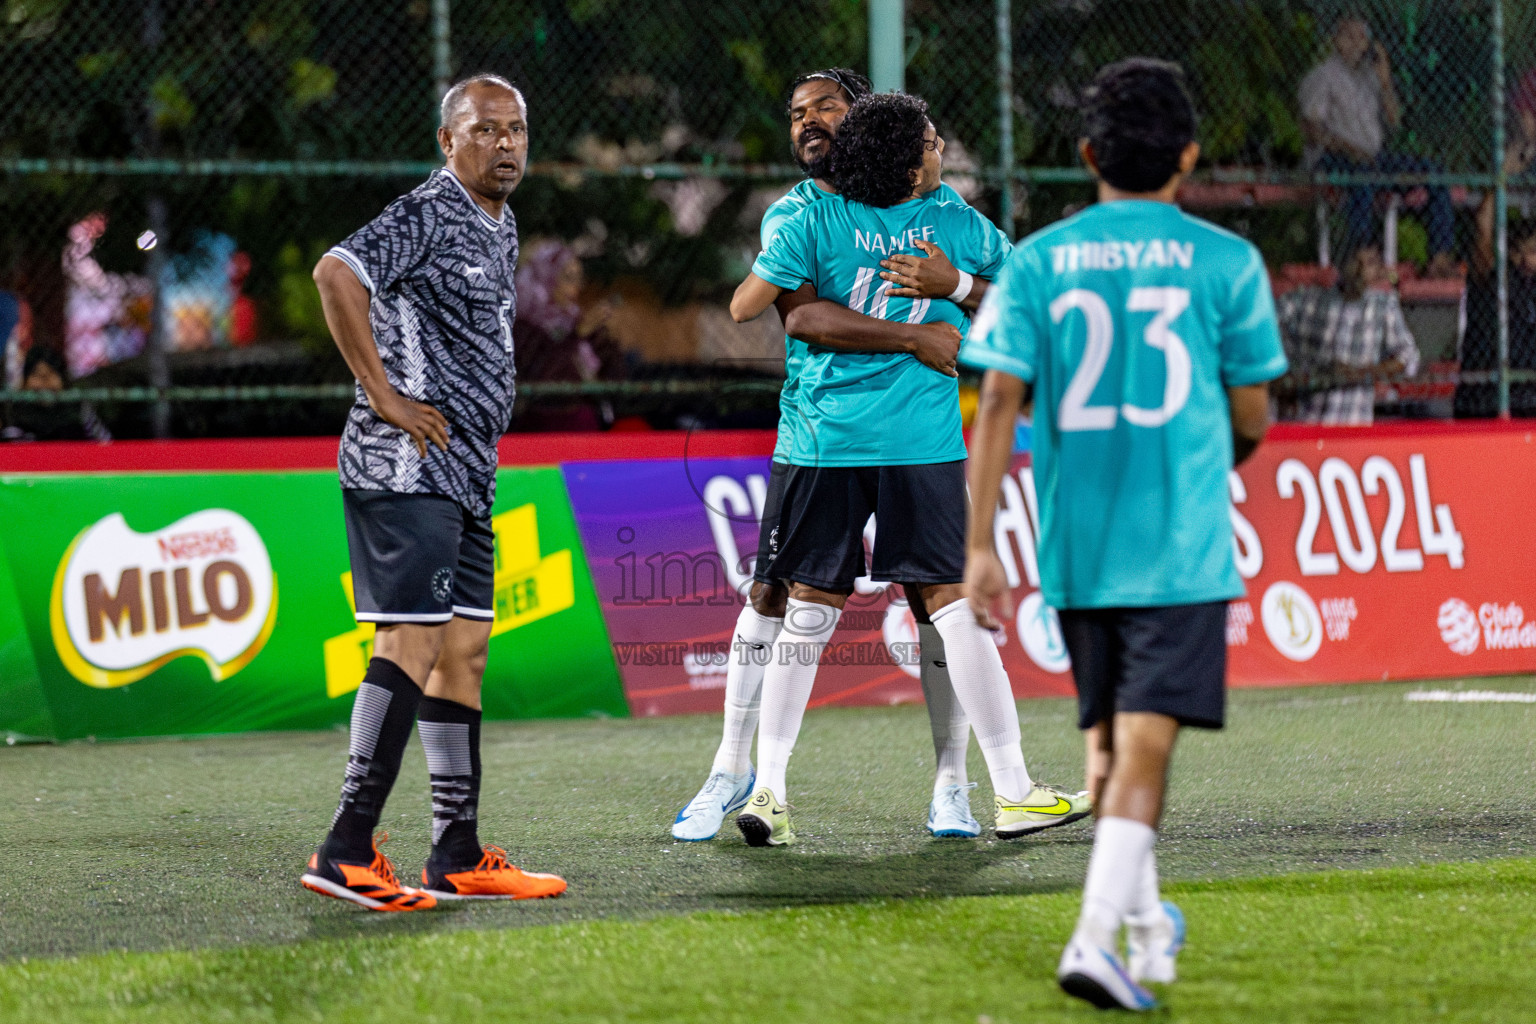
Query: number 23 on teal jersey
1166	304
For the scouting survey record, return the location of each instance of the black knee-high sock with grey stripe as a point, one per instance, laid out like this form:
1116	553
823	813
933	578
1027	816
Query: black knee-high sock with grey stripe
450	734
381	727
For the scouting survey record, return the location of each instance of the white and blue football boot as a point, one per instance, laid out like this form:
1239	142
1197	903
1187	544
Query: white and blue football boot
1097	975
949	815
705	813
1152	946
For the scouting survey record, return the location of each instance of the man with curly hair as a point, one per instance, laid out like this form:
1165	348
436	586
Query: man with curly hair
881	433
818	102
1149	336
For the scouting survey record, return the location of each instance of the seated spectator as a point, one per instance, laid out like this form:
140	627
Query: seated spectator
1480	343
44	370
554	340
1348	106
1340	341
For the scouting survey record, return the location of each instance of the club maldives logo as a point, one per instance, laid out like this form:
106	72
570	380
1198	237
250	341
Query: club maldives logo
1458	626
125	603
1500	627
1291	621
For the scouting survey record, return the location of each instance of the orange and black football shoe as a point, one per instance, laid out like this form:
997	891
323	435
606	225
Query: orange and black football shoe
372	884
491	879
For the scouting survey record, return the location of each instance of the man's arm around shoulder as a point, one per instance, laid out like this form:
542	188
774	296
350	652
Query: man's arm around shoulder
826	324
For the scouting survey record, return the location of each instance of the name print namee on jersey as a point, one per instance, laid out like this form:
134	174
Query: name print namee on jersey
439	271
1132	318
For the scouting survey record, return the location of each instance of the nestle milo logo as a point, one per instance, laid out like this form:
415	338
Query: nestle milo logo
125	603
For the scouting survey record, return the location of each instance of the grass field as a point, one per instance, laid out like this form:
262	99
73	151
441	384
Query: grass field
1341	854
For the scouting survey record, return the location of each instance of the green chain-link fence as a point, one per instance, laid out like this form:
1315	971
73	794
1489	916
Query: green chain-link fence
250	135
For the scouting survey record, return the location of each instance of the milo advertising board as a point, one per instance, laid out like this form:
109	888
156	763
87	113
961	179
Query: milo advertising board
162	604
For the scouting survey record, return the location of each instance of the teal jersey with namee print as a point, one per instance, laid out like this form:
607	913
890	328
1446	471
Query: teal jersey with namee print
1132	319
866	408
783	208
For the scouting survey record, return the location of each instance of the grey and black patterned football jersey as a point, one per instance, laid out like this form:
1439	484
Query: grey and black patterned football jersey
439	271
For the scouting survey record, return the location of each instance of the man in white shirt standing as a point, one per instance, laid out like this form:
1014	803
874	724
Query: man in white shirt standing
1348	106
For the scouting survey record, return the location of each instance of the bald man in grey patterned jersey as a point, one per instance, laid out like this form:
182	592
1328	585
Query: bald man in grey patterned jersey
420	301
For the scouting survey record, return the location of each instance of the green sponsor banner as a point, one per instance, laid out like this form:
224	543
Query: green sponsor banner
166	604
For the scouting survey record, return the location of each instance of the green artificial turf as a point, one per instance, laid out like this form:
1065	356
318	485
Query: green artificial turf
1452	942
194	847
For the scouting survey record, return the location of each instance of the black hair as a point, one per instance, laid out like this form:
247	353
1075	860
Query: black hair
879	148
454	101
855	85
1138	117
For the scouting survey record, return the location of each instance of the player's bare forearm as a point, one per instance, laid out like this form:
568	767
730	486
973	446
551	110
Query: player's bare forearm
753	296
931	277
991	452
986	582
826	324
1249	406
829	325
344	301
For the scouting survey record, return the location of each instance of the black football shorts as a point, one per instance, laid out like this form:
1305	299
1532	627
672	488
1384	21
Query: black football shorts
419	558
1171	660
816	534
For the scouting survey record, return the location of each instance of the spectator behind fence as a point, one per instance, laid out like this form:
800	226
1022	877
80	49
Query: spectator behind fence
1522	122
554	340
1348	107
44	370
15	335
1339	341
106	315
1480	343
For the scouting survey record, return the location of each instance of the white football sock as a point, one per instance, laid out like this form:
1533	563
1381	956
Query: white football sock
750	653
787	687
1147	905
981	686
1116	874
951	729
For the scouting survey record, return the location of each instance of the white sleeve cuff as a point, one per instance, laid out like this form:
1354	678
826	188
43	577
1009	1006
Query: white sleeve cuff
356	265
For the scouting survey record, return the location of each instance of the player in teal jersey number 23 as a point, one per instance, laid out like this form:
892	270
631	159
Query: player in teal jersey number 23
1149	336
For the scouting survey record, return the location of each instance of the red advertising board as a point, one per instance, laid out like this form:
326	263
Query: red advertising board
1392	553
1387	554
1401	553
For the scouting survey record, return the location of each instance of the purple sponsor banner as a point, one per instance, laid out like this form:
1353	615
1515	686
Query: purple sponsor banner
671	545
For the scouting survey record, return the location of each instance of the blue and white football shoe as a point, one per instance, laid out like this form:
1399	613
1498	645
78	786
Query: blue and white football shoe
1096	974
950	813
705	813
1153	945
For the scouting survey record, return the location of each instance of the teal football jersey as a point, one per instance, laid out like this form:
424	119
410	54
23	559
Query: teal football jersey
863	408
1132	318
784	208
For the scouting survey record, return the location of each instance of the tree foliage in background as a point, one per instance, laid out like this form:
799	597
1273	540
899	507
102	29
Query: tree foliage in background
614	84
